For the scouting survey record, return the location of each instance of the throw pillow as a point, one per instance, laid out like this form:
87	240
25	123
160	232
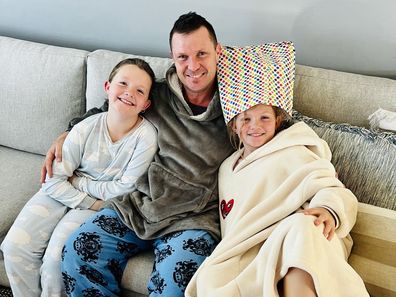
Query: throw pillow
383	120
365	160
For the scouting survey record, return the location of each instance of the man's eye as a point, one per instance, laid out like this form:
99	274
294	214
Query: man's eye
182	57
201	54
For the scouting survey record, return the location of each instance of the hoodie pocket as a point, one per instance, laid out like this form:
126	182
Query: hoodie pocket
166	195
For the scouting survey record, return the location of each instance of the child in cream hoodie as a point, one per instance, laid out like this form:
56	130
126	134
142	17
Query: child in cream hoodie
285	217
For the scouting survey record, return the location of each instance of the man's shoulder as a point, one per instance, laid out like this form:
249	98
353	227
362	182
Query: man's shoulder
160	84
161	92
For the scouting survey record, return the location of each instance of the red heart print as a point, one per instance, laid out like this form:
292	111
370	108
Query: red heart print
226	207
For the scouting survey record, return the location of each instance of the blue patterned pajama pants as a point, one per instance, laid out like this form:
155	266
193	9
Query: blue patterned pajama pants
95	256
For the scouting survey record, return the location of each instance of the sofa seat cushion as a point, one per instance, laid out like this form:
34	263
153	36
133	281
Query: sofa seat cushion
137	272
17	168
373	252
42	89
365	160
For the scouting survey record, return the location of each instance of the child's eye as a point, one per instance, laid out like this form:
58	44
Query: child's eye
141	92
123	83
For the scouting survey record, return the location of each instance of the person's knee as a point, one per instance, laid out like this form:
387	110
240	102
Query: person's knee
16	244
178	256
68	257
300	221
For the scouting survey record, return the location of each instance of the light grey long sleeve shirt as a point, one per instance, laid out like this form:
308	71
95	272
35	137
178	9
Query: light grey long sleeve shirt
104	169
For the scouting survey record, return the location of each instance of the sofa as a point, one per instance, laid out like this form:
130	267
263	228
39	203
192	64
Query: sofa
42	87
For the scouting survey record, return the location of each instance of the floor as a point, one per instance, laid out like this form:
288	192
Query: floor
5	292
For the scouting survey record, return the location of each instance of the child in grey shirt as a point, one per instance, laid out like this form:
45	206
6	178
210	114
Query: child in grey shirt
102	158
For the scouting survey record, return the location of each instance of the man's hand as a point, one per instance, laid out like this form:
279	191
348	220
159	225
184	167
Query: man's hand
55	151
323	216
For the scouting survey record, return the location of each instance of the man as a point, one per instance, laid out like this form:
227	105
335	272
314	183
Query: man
175	207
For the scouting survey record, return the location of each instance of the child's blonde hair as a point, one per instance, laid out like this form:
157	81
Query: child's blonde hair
283	121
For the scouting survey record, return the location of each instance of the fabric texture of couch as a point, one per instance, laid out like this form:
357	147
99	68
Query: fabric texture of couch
42	87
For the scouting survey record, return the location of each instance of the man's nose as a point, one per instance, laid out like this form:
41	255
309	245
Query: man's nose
193	64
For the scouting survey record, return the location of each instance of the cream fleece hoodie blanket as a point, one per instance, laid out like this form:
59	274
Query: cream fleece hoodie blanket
263	236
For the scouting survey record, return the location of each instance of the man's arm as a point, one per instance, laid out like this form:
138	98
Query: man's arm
55	150
90	112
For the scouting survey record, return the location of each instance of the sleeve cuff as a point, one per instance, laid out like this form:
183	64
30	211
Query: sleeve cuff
76	182
335	216
87	202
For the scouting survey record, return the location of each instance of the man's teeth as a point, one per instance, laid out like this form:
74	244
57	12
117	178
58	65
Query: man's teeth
195	75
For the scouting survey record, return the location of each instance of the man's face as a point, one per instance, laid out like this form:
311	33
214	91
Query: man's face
195	56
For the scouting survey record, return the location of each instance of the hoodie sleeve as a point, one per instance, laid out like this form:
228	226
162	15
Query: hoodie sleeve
333	195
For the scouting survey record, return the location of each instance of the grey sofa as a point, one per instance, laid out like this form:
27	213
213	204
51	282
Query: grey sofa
42	87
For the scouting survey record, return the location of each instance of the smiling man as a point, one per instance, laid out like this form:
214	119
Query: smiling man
175	207
195	56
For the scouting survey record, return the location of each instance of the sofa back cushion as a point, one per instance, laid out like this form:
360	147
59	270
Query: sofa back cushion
341	97
101	62
365	160
42	88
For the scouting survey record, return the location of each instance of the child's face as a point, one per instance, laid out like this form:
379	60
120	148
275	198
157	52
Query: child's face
255	127
129	90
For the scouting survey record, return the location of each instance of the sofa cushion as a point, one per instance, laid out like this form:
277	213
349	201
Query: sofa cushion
20	173
137	272
101	62
365	160
335	96
374	237
42	88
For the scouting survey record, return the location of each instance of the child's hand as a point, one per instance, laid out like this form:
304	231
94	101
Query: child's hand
323	216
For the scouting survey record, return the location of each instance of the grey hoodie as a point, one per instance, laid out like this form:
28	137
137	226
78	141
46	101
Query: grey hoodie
179	190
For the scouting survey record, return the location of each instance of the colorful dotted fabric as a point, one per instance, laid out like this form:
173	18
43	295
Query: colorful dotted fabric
262	74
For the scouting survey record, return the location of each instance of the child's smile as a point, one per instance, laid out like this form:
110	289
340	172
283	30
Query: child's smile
255	127
126	101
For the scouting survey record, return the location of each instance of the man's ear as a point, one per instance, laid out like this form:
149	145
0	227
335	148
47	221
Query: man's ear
218	51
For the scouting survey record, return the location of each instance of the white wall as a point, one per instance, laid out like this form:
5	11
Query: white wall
350	35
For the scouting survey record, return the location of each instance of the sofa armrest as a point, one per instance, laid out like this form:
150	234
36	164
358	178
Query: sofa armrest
374	251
